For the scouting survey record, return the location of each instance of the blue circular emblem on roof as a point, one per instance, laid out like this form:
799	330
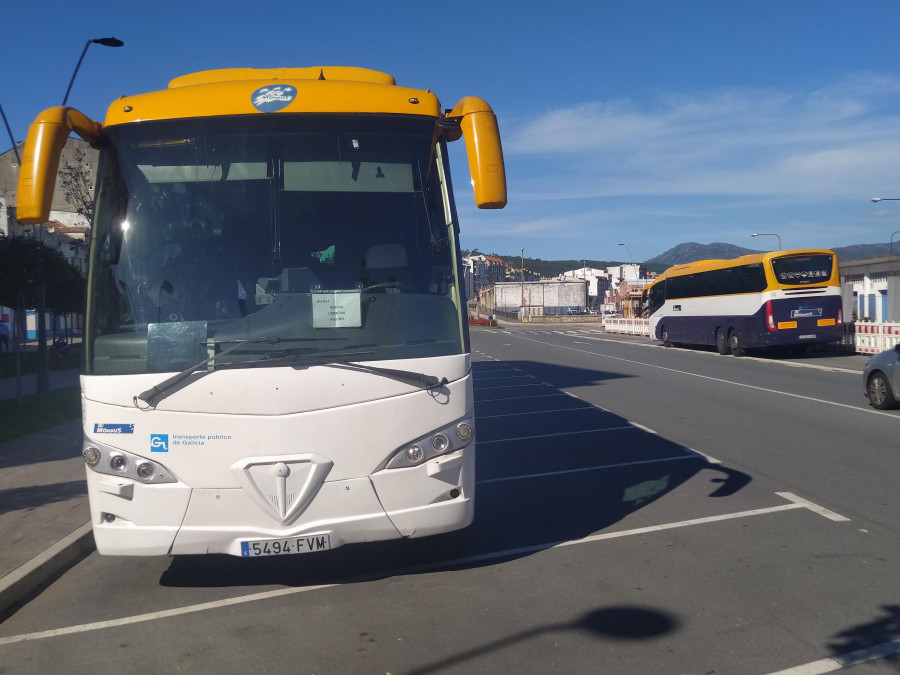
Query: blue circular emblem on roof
273	97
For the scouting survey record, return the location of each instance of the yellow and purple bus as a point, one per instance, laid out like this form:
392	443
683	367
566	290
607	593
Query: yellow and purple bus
778	299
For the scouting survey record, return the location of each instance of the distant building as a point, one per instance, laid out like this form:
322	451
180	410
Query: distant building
870	288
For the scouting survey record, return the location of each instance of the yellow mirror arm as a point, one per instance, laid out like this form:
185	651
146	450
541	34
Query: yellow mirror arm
479	127
40	160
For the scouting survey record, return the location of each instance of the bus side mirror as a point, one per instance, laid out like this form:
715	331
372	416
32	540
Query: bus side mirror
40	159
479	127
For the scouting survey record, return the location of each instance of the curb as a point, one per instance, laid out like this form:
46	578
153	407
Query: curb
23	581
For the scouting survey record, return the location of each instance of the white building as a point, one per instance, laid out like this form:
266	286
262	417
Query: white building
871	289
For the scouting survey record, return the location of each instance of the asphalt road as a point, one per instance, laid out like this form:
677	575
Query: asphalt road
639	510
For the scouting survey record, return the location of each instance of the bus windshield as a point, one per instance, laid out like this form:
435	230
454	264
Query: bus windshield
330	233
803	269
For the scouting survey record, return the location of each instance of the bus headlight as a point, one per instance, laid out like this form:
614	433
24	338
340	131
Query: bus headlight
145	471
91	456
440	442
464	432
415	454
105	459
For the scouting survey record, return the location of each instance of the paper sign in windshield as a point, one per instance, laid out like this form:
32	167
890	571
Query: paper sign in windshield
337	309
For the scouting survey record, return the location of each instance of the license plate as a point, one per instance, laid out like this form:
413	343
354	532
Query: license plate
808	337
288	546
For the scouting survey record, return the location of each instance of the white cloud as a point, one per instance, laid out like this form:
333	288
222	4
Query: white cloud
840	140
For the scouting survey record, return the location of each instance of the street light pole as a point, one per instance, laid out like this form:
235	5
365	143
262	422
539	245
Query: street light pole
106	42
768	234
523	284
11	137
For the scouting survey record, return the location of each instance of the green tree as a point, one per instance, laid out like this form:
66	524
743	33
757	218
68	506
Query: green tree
35	275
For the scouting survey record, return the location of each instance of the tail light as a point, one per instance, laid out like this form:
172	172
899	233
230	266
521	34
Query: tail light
770	318
840	319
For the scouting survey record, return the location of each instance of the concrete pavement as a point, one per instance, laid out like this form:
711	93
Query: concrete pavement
44	515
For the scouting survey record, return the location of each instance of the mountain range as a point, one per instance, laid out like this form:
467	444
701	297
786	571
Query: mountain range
677	255
692	251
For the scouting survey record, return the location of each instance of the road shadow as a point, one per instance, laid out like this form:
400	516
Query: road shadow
618	623
874	640
35	496
543	477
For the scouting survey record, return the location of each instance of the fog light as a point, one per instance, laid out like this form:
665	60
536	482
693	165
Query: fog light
415	454
91	456
464	431
145	470
109	517
440	442
118	463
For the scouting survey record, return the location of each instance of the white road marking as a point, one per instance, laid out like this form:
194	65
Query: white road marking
628	427
717	379
832	663
539	412
163	614
514	386
586	469
516	398
796	503
821	510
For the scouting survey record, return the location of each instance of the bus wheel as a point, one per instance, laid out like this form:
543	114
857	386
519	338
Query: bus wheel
665	337
734	344
879	392
721	343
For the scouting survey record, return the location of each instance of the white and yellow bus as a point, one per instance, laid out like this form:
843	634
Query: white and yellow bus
777	299
276	349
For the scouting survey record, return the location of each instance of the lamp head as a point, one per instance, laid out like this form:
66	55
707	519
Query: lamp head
108	42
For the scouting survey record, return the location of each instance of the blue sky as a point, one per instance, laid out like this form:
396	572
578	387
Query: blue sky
643	122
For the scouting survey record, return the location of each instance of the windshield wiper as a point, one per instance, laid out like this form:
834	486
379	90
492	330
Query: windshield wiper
426	381
165	385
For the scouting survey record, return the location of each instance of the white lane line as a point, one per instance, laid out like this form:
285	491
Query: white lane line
821	510
515	398
796	503
538	412
708	458
163	614
514	386
717	379
556	435
586	469
832	663
701	352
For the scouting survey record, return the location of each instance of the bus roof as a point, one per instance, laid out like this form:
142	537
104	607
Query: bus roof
717	264
247	91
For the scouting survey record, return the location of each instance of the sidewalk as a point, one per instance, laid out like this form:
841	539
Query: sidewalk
44	514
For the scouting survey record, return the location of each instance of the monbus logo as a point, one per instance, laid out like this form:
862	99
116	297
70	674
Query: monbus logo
273	97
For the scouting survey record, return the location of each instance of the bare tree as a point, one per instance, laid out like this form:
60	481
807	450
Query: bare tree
75	182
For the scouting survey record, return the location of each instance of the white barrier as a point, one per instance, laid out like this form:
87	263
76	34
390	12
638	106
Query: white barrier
865	337
627	326
862	337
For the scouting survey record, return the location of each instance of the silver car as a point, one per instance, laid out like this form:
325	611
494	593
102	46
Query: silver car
881	378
